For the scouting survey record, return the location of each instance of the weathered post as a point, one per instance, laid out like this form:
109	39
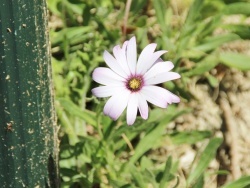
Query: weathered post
28	132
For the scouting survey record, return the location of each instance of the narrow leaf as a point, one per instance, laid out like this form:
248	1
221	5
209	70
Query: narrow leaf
239	61
189	137
166	174
149	140
212	43
194	11
207	155
204	66
200	182
74	110
240	183
138	177
237	8
243	31
160	10
69	33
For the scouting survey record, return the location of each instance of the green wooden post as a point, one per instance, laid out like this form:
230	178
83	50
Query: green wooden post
28	132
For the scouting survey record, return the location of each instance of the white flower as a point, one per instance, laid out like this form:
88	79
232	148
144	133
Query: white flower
130	83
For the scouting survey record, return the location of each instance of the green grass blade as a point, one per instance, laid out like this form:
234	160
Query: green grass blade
243	182
160	10
204	66
200	182
243	31
239	61
210	26
205	158
69	33
166	173
70	107
194	11
237	8
149	140
67	126
190	137
212	43
138	177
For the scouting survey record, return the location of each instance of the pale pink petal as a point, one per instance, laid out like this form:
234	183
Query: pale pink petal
106	91
145	57
158	60
143	106
120	56
174	98
132	108
159	96
106	76
124	46
116	104
152	61
158	68
131	55
162	77
113	64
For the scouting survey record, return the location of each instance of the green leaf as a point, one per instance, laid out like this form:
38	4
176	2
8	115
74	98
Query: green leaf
243	182
137	6
189	137
67	127
166	174
241	30
149	140
76	1
194	11
204	66
142	21
149	177
71	108
239	61
200	182
145	163
237	8
212	43
213	81
160	10
70	33
53	7
207	155
209	27
212	8
138	177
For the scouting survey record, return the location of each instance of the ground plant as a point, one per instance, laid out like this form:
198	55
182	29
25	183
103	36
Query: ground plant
167	149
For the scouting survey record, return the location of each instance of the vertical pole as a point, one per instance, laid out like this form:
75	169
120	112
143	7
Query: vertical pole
28	132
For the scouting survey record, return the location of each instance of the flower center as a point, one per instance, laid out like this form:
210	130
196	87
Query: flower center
135	83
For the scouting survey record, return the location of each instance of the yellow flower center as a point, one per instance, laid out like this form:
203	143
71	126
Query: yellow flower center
134	84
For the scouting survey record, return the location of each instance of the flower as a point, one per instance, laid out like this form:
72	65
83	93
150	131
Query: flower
131	83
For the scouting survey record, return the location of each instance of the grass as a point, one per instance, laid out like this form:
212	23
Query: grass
98	152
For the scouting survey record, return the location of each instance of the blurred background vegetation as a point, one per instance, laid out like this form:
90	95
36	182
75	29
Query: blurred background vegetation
203	141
